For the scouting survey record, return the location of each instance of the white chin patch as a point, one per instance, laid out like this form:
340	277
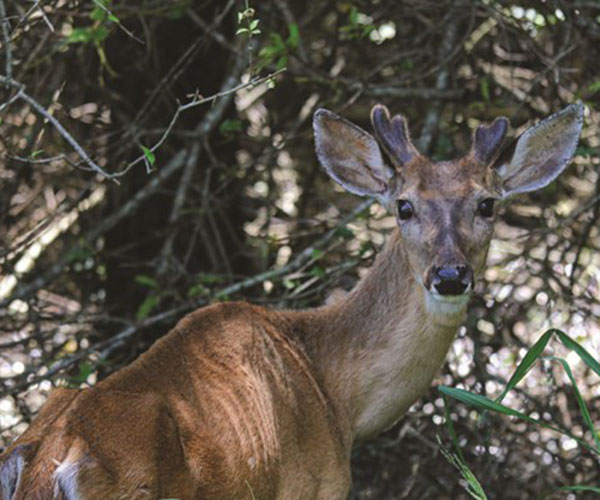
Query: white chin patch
443	305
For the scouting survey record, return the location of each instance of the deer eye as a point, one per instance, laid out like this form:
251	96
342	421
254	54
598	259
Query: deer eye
405	209
486	207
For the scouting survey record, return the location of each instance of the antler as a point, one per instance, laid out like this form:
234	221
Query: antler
488	139
393	136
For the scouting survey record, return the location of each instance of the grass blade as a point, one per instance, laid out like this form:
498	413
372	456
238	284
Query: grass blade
576	487
485	404
526	363
585	356
481	402
582	406
451	429
473	488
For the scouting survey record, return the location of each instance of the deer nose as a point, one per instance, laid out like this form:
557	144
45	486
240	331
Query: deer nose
452	280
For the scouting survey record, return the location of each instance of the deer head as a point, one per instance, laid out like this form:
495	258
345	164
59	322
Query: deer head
444	210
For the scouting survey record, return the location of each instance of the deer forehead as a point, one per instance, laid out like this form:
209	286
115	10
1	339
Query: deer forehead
455	180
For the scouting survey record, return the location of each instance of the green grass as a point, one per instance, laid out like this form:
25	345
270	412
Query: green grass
484	404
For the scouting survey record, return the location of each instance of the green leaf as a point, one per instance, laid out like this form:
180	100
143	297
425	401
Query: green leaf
146	281
113	18
241	31
178	10
149	155
228	126
481	402
353	15
209	278
576	487
366	30
197	290
294	39
586	151
281	63
98	14
318	272
585	356
289	284
253	24
147	306
80	35
345	233
526	363
316	253
484	86
85	370
99	33
79	254
473	486
451	429
594	87
580	402
277	43
485	404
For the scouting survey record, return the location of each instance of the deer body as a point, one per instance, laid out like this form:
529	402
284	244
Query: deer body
242	402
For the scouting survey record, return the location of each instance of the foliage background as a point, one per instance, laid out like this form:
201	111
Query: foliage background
232	204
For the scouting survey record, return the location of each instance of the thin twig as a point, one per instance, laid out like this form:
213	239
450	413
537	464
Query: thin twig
411	92
300	259
288	15
209	29
6	40
192	160
156	181
185	59
197	101
57	125
6	104
123	28
432	117
591	223
206	126
109	345
36	6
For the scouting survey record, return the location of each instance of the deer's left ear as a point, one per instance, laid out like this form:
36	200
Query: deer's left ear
541	153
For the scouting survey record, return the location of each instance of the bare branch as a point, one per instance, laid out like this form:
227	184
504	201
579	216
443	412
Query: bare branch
123	28
212	116
57	125
432	117
6	40
210	30
197	101
413	93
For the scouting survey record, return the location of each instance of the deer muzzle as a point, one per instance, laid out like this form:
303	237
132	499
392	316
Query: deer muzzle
450	280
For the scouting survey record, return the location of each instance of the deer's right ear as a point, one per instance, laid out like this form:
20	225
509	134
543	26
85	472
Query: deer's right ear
350	155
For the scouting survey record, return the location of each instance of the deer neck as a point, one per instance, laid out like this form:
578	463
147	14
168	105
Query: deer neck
380	346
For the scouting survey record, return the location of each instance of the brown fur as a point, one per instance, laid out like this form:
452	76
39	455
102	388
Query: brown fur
238	401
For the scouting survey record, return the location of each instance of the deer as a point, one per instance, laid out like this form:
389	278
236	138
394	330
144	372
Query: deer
239	401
